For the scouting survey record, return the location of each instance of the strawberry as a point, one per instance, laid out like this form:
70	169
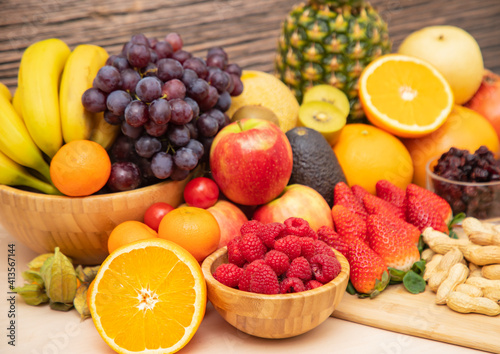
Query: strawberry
390	192
421	213
368	274
343	195
332	239
359	192
405	229
385	239
376	205
429	198
348	224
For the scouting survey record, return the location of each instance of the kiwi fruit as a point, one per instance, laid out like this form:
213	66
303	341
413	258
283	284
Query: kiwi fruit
323	117
254	111
330	94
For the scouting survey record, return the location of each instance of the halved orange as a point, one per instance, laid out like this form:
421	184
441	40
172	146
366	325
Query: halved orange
405	96
148	297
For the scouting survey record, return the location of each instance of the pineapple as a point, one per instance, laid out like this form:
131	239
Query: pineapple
330	41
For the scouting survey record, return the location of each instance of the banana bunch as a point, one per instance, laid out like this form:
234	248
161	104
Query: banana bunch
46	111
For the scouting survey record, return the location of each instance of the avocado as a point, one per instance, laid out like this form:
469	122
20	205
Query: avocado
314	162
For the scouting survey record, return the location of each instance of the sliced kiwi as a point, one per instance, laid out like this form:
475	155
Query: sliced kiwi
254	111
330	94
322	117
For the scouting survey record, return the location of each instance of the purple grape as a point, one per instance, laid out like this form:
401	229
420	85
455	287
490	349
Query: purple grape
174	89
162	165
207	144
198	90
181	112
217	61
169	69
175	40
120	62
149	70
234	69
194	106
181	56
217	51
130	78
130	131
207	125
224	101
163	50
211	99
219	79
198	66
154	56
218	116
185	159
140	38
193	131
178	174
112	119
110	59
126	47
196	147
124	176
178	135
147	174
138	55
148	89
122	149
189	77
159	111
94	100
136	114
146	146
117	101
153	41
238	86
108	79
154	129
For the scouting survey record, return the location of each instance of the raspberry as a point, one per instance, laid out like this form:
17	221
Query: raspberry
308	248
252	247
332	239
323	248
313	284
290	245
278	261
270	232
264	280
234	254
228	274
246	277
252	226
325	268
291	285
300	268
299	227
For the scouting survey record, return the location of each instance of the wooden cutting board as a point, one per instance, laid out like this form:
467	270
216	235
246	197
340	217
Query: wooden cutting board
397	310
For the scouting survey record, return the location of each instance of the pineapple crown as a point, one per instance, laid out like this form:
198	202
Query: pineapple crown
338	3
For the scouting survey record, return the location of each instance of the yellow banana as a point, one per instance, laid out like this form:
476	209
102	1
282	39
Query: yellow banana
103	133
4	90
16	142
79	72
16	102
13	174
42	64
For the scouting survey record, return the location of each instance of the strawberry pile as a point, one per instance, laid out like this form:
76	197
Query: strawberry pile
279	258
379	234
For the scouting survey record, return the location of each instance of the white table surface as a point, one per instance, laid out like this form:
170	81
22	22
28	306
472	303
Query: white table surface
40	330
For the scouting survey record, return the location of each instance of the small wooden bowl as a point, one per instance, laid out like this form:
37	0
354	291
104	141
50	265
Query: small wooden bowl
78	226
273	316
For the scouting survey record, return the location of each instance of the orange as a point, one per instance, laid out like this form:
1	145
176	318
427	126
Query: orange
464	129
368	154
193	228
80	168
128	232
148	297
89	291
404	95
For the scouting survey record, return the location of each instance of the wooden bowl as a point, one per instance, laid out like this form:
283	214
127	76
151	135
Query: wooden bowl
78	226
273	316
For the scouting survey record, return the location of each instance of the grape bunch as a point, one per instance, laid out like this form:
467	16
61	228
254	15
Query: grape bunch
169	103
461	166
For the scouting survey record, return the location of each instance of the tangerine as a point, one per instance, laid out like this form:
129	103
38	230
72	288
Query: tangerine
128	232
80	168
368	154
464	129
194	229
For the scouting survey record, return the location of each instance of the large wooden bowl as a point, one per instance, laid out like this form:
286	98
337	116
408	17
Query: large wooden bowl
273	316
78	226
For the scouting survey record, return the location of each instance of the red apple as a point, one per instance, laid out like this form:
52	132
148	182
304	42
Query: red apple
230	219
251	161
298	201
486	100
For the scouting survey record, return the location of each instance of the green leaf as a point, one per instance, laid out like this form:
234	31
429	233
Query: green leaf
350	288
419	267
456	220
413	282
396	275
421	244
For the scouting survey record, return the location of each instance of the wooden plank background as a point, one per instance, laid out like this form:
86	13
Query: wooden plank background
247	29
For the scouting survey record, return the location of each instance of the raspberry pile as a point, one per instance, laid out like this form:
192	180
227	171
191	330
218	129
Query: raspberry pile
278	258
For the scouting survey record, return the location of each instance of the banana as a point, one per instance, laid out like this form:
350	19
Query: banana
16	142
41	65
16	102
79	72
13	174
4	90
104	133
